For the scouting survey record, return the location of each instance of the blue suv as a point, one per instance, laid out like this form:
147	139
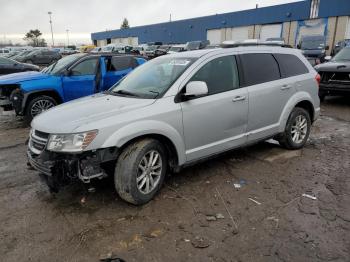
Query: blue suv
71	77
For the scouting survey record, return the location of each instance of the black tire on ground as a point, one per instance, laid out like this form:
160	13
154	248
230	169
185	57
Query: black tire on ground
127	170
322	96
48	100
286	138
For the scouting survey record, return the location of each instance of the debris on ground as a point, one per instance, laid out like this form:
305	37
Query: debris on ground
219	216
256	202
240	183
200	242
110	258
309	196
211	218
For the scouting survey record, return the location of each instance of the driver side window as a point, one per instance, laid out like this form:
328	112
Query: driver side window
86	67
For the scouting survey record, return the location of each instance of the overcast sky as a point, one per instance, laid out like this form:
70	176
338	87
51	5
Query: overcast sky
82	17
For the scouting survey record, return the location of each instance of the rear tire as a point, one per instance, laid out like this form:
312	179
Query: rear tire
140	171
322	96
38	105
297	130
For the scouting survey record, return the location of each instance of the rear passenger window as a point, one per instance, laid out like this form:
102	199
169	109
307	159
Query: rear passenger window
220	74
119	63
290	65
259	68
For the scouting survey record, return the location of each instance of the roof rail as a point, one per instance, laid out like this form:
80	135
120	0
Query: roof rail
254	42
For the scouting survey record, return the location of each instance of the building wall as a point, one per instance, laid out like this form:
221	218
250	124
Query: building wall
291	15
196	28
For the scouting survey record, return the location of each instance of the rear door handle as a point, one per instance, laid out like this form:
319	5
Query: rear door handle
285	87
238	98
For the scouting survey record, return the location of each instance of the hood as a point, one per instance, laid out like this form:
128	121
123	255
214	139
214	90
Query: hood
20	77
333	66
68	117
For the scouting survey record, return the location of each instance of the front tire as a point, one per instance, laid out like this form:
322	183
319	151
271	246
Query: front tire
140	171
297	130
38	105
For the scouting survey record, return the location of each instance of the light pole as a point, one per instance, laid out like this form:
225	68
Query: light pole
53	42
67	37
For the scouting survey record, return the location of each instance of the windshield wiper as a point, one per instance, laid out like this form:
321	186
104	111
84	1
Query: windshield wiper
124	92
155	92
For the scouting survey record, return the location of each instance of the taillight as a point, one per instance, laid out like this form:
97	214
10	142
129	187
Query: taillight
318	79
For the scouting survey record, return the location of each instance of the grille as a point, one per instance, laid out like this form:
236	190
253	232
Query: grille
38	141
335	77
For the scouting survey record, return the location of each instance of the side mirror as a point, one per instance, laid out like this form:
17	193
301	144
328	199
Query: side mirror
327	58
196	89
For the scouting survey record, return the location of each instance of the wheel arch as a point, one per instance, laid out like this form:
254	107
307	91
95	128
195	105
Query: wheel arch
161	131
300	99
45	92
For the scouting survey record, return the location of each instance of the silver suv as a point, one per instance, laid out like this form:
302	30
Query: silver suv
172	112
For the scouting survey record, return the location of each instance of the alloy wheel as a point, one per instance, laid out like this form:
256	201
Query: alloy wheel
149	172
40	106
299	129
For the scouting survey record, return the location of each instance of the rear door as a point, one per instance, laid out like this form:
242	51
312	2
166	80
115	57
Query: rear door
116	68
217	121
268	93
81	80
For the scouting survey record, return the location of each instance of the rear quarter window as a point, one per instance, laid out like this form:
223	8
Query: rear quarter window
290	65
259	68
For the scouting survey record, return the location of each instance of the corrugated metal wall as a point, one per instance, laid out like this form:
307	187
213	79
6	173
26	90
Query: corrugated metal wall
197	28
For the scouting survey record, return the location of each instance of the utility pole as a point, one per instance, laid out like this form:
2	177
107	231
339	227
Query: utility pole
53	42
67	37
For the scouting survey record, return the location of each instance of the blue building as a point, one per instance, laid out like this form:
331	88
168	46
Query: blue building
290	21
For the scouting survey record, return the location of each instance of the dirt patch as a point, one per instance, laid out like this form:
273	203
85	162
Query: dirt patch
274	221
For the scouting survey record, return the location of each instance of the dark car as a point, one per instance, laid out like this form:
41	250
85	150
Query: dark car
313	48
340	45
162	50
335	75
196	45
40	57
9	66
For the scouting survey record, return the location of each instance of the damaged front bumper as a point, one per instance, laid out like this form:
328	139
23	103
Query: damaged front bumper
60	169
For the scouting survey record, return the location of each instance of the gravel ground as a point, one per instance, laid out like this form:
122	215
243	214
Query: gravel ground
199	215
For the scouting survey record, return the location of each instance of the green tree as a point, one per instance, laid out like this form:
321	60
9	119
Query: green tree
125	24
33	38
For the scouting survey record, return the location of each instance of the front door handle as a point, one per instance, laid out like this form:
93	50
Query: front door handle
238	98
286	87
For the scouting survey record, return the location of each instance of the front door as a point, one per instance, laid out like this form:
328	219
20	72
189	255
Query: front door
81	80
217	121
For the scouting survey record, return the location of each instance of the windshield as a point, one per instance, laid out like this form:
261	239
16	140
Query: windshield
312	44
343	55
60	64
152	79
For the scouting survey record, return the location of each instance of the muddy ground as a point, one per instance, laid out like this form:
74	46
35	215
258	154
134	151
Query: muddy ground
190	220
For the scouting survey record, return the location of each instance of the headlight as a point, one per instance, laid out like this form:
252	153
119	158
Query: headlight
70	142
